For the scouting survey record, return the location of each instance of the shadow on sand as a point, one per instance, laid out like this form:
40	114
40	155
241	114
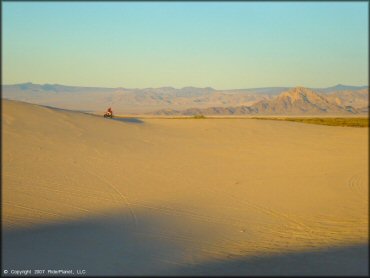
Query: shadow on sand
129	120
113	244
332	261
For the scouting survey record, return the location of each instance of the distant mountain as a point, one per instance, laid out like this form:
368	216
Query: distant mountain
296	101
299	100
271	91
340	87
355	98
31	87
237	110
126	101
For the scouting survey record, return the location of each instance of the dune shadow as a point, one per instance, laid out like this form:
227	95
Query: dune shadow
331	261
112	244
129	120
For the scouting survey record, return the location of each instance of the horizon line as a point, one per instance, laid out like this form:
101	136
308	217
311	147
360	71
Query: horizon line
207	87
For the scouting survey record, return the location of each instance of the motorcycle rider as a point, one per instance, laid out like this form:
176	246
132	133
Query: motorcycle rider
109	112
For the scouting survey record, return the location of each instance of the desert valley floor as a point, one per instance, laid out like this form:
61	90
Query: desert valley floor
182	196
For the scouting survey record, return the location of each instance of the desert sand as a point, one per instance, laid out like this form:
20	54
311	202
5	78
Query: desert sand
182	196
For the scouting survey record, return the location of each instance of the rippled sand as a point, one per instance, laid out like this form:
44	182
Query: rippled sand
182	196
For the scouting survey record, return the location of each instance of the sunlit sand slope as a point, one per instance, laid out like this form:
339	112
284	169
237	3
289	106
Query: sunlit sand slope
174	196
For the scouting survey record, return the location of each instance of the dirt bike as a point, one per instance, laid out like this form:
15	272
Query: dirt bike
108	115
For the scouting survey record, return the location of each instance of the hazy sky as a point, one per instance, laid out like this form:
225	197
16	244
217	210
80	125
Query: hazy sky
217	44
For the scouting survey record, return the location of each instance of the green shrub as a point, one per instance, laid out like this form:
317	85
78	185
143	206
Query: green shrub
338	121
200	116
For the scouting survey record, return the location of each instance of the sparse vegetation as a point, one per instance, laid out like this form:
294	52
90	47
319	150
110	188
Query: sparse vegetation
199	116
352	122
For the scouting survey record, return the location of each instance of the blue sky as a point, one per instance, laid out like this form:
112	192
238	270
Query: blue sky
218	44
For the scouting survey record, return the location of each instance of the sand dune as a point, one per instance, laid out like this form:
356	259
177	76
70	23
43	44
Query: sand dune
182	196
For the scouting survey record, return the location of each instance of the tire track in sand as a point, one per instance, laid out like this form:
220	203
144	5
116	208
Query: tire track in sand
301	226
355	183
119	193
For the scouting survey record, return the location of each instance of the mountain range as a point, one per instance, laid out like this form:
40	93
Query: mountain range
339	99
296	101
